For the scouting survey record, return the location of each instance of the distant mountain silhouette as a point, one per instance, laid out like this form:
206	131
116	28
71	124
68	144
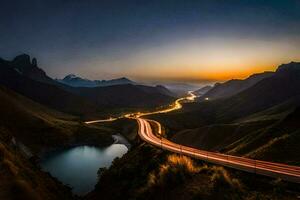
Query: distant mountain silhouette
24	77
283	85
126	96
232	87
24	66
279	92
203	90
76	81
261	121
180	88
14	75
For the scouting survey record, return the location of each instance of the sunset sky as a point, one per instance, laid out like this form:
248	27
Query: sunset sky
176	40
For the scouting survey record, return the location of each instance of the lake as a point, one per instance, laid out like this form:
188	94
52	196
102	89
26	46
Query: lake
78	166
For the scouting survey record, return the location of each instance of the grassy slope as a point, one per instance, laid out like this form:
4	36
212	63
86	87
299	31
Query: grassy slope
222	134
269	135
278	142
147	172
40	127
21	179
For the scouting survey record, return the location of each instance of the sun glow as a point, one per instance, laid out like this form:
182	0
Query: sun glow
215	59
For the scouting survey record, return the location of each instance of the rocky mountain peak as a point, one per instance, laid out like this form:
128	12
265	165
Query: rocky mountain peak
22	59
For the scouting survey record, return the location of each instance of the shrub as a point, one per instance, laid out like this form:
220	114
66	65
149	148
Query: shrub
174	171
221	178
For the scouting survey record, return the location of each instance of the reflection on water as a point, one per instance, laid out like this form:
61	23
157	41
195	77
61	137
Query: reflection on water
78	166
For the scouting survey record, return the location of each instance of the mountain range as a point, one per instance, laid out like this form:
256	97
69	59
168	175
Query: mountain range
254	121
257	117
231	87
76	81
24	76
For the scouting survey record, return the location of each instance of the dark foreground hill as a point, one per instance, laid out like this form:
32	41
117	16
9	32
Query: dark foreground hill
22	179
28	129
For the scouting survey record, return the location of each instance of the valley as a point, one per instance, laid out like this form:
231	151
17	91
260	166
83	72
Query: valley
150	100
52	138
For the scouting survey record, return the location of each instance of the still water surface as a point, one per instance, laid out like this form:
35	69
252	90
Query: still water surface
78	166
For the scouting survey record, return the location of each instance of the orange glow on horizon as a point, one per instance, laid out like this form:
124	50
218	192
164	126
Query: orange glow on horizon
233	74
198	60
210	74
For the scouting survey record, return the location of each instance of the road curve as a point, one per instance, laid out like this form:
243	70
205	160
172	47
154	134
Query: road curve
286	172
277	170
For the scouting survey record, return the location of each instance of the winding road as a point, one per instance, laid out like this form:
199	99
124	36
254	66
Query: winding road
277	170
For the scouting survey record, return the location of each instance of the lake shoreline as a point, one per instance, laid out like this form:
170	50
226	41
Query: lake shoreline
77	166
116	138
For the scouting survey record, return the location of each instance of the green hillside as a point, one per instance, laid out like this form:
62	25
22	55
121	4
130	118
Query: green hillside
39	127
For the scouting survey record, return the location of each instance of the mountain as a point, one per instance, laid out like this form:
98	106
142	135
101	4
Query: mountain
39	127
24	77
203	90
29	68
53	96
282	86
255	122
129	95
164	90
257	98
231	87
75	81
180	88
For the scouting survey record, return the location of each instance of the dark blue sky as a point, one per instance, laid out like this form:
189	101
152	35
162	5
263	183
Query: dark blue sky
166	40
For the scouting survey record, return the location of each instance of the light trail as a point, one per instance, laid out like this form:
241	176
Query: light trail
175	106
277	170
102	120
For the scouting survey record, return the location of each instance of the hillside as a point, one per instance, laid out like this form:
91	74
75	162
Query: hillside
232	87
22	179
270	140
41	128
203	90
137	96
257	98
173	176
24	77
46	94
253	123
262	95
28	129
